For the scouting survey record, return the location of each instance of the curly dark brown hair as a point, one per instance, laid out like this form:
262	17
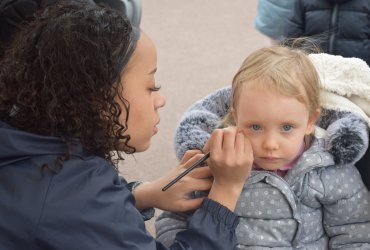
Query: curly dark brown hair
62	74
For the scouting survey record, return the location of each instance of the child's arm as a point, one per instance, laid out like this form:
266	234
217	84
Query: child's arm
168	224
198	122
346	207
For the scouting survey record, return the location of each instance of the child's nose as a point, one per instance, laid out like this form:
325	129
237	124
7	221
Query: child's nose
270	143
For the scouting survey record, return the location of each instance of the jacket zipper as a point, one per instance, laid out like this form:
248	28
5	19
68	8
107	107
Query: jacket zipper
333	21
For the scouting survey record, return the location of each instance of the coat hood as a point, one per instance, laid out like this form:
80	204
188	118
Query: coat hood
344	84
18	145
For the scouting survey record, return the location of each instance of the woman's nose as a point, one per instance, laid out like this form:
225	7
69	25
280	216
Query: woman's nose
160	100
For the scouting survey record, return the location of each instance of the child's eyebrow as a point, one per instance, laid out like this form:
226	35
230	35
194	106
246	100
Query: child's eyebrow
250	121
291	121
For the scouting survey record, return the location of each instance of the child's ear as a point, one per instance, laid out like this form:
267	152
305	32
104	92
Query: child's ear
314	116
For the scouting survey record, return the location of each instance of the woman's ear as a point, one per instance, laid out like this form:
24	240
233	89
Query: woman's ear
314	116
233	114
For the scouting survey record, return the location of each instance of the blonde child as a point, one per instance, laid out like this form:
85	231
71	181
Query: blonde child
296	197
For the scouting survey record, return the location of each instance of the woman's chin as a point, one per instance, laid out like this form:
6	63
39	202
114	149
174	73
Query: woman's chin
143	147
139	146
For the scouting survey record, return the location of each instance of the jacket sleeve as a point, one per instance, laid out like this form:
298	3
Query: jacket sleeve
200	120
168	224
296	21
346	207
271	17
99	213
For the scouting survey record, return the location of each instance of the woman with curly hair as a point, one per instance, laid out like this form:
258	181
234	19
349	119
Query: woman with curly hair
77	92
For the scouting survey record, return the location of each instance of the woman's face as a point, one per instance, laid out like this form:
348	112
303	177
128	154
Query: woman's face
142	93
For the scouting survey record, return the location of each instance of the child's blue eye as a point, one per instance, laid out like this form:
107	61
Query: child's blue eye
287	127
255	127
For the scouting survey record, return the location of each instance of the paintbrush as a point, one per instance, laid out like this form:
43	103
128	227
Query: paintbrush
196	164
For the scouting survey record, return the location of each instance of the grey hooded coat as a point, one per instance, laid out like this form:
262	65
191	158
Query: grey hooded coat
317	205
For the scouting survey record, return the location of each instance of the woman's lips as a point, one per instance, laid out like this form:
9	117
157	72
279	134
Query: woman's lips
155	128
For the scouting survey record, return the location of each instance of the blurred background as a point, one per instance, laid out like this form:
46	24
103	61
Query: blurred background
200	46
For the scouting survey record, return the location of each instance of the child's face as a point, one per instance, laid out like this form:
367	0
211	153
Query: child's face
275	125
139	90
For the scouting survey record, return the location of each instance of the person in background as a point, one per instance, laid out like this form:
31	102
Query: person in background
297	196
272	18
340	27
78	93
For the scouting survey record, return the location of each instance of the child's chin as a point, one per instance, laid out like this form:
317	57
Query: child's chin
269	166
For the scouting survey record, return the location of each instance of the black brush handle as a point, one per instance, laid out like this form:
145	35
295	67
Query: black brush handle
196	164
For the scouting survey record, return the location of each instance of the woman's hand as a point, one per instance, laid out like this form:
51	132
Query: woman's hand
230	162
176	199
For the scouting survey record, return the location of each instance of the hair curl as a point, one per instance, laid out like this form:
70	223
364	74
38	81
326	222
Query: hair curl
62	74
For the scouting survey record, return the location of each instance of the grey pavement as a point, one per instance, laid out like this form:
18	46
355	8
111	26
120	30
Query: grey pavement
200	46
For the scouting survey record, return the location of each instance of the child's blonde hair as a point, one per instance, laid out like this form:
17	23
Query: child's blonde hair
287	71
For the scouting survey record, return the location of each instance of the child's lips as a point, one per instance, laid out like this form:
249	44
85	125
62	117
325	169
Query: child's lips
270	158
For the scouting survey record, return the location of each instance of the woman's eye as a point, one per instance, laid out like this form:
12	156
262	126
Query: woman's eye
255	127
287	127
155	88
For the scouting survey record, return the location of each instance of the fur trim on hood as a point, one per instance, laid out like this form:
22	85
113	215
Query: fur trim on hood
345	84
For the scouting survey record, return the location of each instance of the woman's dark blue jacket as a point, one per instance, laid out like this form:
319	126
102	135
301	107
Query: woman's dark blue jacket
85	206
342	27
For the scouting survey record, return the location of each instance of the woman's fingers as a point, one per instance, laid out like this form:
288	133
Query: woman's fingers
201	173
243	147
189	154
234	158
239	143
199	185
222	141
201	179
228	142
214	143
